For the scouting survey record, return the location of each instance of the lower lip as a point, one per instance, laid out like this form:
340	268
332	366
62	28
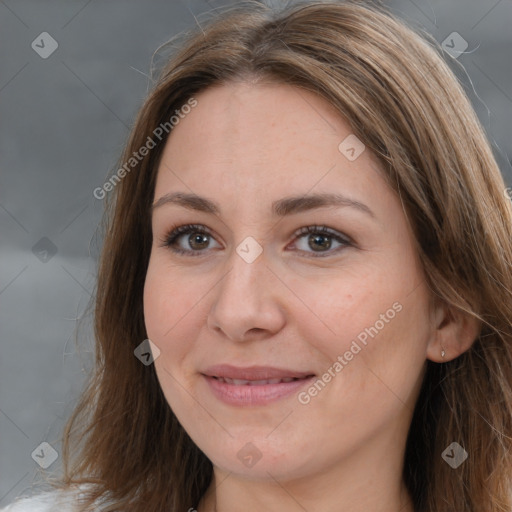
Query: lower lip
254	395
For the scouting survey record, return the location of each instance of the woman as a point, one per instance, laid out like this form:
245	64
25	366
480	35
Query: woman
304	293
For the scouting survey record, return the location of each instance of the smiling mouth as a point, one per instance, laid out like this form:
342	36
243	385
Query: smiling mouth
241	392
243	382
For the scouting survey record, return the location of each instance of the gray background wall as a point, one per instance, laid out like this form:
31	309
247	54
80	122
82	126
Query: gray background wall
64	119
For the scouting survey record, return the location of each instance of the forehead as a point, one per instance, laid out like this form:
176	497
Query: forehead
242	120
256	123
263	140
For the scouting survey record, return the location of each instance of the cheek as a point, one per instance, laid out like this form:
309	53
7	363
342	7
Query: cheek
165	315
334	312
375	318
173	316
156	303
167	299
382	359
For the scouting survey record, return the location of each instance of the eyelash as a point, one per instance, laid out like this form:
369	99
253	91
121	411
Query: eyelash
174	233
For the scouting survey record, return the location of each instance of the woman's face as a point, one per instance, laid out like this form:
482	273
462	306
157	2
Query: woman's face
341	314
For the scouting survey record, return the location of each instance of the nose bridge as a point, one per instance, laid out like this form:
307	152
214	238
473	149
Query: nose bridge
247	269
245	300
247	260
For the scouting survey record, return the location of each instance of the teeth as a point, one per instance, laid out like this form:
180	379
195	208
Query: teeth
243	382
262	382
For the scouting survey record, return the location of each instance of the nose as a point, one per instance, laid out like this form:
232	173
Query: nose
248	301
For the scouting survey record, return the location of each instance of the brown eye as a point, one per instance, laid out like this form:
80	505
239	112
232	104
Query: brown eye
319	240
321	237
198	239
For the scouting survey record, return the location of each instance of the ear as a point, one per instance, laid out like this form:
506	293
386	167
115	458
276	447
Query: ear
454	331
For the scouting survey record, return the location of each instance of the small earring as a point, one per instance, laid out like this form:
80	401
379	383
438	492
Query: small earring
442	352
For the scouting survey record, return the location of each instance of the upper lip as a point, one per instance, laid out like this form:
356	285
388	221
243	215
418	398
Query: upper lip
253	372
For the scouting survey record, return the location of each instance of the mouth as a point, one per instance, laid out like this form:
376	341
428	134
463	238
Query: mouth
242	382
257	385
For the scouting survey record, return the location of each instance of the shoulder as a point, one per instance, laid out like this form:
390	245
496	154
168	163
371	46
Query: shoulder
41	503
49	501
44	502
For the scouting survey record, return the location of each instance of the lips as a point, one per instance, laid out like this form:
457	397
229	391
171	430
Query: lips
262	382
255	385
254	375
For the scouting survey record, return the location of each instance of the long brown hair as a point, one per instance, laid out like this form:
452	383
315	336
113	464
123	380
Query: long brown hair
403	101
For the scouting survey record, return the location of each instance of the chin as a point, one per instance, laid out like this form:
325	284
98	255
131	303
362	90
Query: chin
257	457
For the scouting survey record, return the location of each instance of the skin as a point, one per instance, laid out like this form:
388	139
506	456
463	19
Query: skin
244	146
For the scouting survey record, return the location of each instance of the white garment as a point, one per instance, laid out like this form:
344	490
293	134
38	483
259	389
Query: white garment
46	502
49	501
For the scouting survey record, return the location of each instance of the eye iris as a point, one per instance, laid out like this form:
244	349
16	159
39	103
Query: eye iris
198	238
322	240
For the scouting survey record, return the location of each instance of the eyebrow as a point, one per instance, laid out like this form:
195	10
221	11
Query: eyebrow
280	208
